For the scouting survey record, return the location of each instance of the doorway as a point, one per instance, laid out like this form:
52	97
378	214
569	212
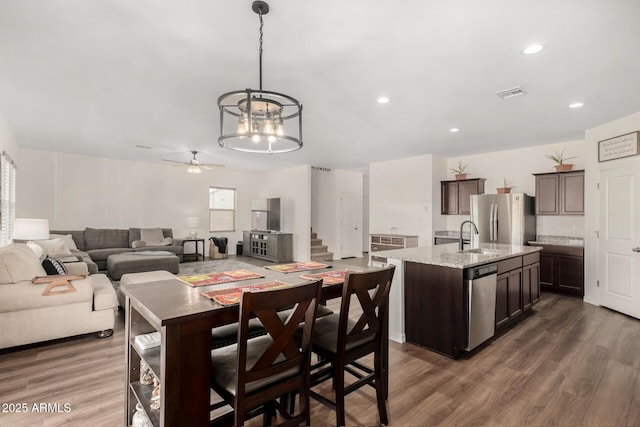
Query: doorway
619	239
349	243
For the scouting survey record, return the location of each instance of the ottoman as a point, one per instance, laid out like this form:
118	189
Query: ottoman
137	262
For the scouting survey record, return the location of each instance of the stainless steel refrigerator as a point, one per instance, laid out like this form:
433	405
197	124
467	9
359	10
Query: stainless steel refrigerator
504	218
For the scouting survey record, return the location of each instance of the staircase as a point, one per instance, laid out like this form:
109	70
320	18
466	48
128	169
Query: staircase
318	250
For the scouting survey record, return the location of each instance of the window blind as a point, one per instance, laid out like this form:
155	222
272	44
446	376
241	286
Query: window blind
7	198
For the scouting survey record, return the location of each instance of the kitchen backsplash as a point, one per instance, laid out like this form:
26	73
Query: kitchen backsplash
571	226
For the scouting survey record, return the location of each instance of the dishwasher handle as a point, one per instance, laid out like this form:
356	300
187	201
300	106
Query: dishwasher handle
477	272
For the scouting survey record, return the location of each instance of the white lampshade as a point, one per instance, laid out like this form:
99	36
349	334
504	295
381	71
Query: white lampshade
31	229
193	222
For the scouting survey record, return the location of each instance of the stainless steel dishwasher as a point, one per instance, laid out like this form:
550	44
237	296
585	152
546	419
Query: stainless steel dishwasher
481	311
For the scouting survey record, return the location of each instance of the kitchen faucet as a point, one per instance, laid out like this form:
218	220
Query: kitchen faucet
475	229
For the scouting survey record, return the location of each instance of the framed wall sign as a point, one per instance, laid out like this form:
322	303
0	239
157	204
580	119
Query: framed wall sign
618	147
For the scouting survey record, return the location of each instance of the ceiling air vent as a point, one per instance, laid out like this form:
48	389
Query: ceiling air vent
510	93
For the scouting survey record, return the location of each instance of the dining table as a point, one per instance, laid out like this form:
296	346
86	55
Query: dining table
184	319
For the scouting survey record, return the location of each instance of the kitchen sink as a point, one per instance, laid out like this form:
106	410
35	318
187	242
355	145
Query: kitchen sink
481	251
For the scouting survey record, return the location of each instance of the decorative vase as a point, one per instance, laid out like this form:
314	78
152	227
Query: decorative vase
503	190
564	167
460	176
140	419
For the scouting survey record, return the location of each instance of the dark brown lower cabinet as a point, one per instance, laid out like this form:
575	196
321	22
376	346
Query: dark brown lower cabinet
546	269
508	296
530	285
517	287
562	269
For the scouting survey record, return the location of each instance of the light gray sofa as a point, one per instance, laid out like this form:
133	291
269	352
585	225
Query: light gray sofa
28	317
96	244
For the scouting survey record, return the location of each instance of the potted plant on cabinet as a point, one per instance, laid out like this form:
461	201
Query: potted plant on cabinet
560	159
459	171
506	187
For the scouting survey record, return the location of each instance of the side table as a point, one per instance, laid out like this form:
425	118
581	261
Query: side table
197	254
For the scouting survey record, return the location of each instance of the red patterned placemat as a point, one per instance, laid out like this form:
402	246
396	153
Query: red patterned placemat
218	278
328	277
234	295
297	266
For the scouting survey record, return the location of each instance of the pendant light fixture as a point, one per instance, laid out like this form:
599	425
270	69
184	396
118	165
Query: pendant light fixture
260	121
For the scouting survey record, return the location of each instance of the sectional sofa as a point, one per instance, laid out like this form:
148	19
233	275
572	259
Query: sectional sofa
28	316
94	245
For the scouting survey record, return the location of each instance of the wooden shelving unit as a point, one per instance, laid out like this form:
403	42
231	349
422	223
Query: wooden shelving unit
137	392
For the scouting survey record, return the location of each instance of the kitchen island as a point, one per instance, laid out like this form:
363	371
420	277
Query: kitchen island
430	295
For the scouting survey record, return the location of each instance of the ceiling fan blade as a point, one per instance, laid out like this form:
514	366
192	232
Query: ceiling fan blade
211	165
175	161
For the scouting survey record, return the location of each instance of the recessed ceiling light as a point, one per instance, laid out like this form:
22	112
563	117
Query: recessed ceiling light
383	100
576	105
533	48
454	130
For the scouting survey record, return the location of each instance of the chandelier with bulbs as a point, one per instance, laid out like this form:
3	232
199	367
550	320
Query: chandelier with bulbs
260	121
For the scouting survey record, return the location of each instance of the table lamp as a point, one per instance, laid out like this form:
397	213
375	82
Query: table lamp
193	222
30	230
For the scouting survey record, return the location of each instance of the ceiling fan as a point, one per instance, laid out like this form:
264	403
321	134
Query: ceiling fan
194	165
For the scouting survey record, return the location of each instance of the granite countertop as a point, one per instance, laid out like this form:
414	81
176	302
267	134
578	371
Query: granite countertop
558	240
449	256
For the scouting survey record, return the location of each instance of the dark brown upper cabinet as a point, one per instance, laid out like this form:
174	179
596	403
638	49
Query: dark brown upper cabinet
560	193
455	195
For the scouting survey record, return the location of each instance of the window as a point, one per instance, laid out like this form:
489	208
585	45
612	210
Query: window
222	209
7	198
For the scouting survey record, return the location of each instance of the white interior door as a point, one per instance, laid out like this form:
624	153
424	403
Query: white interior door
348	226
620	239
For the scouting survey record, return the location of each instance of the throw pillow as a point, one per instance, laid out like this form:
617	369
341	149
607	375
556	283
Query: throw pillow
67	239
152	236
138	244
165	242
53	266
53	247
19	263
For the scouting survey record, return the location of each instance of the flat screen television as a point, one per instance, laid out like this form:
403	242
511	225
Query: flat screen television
265	214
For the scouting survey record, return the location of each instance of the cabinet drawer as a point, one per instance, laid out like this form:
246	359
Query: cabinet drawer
531	258
509	264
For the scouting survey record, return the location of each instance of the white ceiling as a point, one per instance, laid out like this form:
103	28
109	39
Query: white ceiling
99	77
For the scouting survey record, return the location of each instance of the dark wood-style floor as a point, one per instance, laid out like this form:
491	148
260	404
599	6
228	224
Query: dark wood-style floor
570	363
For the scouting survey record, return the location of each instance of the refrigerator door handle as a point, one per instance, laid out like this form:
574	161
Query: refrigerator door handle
491	223
495	223
491	234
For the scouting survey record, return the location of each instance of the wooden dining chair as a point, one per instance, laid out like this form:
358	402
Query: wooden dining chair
222	336
340	341
253	374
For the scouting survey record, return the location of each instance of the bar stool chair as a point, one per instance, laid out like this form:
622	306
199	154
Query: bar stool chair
222	336
251	375
340	341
